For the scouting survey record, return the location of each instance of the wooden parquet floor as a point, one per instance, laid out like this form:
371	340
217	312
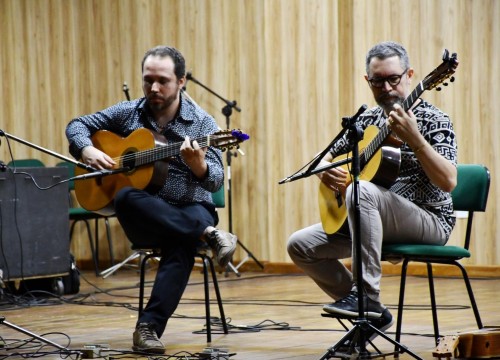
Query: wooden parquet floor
271	317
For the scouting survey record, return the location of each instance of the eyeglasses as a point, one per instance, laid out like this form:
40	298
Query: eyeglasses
393	80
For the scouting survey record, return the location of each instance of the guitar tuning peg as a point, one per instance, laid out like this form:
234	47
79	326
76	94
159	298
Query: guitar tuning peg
445	84
452	79
439	88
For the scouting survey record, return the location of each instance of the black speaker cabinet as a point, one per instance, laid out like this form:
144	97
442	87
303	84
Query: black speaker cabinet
34	224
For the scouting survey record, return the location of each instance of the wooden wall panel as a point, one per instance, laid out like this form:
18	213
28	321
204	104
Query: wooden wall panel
295	67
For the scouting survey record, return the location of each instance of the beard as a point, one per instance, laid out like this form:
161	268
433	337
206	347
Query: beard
159	106
387	101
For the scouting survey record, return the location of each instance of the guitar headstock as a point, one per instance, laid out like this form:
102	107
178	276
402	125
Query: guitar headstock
227	139
442	72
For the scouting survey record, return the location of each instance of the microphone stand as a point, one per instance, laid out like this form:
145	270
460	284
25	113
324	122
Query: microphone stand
227	112
355	338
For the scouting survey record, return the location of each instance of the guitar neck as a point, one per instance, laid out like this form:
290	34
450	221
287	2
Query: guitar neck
385	131
413	97
161	152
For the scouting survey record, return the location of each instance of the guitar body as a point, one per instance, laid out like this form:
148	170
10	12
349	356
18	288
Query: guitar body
97	194
480	344
382	169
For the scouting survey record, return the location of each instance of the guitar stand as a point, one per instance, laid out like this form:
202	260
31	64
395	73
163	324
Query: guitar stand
37	337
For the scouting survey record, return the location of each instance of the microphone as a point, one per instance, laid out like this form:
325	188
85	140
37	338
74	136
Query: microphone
125	90
101	173
346	121
188	77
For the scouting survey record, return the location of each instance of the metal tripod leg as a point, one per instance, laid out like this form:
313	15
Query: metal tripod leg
248	256
349	347
112	269
29	333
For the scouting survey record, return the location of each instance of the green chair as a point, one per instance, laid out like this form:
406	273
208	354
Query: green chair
470	195
78	214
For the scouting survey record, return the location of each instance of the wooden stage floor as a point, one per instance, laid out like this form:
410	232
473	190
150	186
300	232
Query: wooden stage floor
271	317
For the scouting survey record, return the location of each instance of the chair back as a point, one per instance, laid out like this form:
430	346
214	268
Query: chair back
471	192
219	198
26	163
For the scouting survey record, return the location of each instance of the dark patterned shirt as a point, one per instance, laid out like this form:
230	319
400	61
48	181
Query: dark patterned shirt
412	183
181	186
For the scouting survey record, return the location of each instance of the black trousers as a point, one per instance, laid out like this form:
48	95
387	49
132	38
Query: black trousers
152	222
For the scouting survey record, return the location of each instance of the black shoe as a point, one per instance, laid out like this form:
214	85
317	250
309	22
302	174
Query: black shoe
223	244
383	323
146	340
348	306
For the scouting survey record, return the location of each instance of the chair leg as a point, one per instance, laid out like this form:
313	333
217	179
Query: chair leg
207	299
91	242
142	281
217	294
432	294
209	265
401	301
471	295
110	241
96	229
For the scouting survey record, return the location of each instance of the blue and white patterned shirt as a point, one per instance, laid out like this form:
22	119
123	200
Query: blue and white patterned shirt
412	182
181	185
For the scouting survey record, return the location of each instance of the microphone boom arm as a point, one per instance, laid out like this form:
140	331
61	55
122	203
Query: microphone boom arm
50	152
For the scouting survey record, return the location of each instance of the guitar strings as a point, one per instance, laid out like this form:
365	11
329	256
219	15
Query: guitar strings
156	153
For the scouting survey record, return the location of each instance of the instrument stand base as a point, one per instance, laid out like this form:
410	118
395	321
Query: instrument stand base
37	337
109	271
249	255
349	346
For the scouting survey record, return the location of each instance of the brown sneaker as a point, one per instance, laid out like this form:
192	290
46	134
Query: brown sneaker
223	244
146	340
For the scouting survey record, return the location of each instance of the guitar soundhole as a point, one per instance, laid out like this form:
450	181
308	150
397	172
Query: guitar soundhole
129	160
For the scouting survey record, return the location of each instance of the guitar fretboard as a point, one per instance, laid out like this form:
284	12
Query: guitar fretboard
164	151
385	131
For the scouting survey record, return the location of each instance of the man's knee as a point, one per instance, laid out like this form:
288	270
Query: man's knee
366	191
294	245
122	197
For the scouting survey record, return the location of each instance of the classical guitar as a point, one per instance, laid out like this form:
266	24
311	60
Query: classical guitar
479	344
143	155
378	163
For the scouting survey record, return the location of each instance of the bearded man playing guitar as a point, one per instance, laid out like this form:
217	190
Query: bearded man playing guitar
180	212
415	208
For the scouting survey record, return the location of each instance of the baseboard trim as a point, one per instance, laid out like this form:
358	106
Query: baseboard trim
417	269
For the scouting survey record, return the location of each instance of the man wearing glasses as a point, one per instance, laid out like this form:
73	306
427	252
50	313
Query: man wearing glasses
416	208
